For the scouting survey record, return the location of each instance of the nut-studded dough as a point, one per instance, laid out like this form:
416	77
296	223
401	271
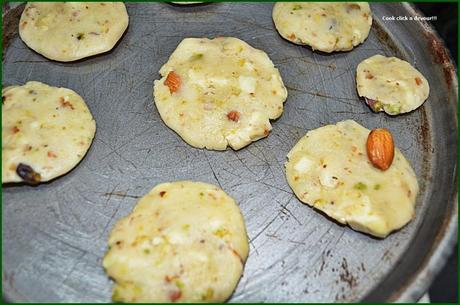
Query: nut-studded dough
67	31
44	129
325	26
224	92
329	170
390	84
183	242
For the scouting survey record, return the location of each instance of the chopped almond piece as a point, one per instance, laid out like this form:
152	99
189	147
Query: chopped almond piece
173	82
233	116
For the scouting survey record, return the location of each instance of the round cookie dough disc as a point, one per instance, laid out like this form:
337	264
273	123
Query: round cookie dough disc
227	93
329	170
325	26
67	31
46	131
183	242
390	84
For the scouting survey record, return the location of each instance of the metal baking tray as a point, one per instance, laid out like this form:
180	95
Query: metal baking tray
55	234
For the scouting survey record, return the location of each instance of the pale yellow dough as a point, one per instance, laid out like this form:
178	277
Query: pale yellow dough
393	85
219	76
68	31
329	170
325	26
47	128
183	242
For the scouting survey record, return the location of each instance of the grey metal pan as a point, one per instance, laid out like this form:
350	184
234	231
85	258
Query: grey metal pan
54	234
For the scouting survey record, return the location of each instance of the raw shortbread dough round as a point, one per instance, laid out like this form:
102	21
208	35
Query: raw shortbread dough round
46	131
227	94
329	170
67	31
325	26
390	84
183	242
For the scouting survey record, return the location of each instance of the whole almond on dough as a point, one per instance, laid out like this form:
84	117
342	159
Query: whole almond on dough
380	148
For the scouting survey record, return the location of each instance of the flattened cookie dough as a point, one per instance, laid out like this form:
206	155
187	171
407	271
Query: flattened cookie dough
329	170
219	92
46	131
183	242
68	31
390	84
325	26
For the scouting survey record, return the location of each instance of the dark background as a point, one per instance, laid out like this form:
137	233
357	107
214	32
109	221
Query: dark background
445	286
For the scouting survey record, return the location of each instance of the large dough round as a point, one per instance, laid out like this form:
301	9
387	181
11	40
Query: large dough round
325	26
329	170
44	129
229	91
390	84
67	31
184	242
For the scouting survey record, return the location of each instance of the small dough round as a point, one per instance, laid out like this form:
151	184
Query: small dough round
325	26
228	93
329	170
68	31
46	131
390	84
183	242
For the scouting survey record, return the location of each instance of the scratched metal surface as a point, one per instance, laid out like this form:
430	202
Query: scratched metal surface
54	234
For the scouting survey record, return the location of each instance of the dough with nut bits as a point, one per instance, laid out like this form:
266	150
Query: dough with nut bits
325	26
68	31
391	85
183	242
219	92
46	131
329	170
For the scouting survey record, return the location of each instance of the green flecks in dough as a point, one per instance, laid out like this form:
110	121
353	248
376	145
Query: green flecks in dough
221	232
297	7
319	202
360	186
116	295
208	294
377	106
196	56
179	284
393	109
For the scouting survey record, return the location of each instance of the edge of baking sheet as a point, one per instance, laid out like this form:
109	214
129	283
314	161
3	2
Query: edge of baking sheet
447	236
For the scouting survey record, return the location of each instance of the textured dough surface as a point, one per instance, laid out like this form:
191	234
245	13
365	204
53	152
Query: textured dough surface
325	26
220	76
67	31
393	84
47	128
329	170
183	242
